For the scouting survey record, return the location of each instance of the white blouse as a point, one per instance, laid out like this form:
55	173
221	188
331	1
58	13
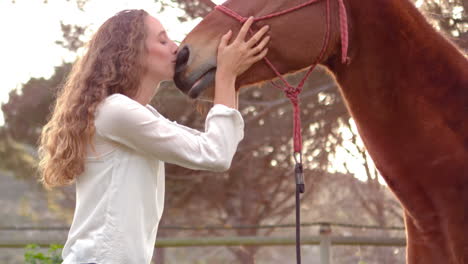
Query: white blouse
120	195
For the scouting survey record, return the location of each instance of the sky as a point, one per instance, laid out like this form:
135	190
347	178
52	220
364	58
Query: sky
29	29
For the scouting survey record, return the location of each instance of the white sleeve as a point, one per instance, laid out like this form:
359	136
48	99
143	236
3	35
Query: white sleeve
189	129
129	123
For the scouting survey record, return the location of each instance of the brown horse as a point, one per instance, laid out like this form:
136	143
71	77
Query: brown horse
406	87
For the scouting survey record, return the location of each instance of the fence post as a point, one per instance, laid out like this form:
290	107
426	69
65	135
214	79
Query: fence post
325	243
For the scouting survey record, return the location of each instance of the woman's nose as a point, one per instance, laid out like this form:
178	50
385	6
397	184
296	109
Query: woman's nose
175	48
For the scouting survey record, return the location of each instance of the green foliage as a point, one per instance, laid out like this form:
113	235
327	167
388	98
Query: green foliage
32	256
25	114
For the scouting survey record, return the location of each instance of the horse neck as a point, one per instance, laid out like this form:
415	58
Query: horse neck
395	56
406	88
401	73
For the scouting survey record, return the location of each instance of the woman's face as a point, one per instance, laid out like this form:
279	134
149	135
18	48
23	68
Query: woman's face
161	51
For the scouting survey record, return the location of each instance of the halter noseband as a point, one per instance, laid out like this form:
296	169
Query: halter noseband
293	92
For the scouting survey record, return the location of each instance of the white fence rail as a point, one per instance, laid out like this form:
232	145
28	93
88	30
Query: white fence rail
20	237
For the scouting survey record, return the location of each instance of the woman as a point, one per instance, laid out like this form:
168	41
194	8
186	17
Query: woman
104	136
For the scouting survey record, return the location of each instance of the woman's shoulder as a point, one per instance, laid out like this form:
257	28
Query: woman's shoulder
124	102
120	108
118	98
118	103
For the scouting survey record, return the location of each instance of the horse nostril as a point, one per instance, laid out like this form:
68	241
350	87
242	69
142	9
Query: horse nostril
182	57
181	63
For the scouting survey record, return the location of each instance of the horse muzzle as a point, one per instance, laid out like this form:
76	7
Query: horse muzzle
192	82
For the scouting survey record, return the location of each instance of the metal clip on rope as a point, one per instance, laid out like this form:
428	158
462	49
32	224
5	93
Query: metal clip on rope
299	177
300	188
299	171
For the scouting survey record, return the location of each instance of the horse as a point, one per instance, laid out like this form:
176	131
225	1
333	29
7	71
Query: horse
404	84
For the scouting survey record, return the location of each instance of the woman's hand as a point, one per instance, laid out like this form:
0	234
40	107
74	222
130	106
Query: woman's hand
237	57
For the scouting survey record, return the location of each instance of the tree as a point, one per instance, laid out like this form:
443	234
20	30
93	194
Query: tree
372	198
25	113
193	8
450	17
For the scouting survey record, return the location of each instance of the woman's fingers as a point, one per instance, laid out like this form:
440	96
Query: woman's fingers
244	29
255	38
260	45
225	39
259	56
236	57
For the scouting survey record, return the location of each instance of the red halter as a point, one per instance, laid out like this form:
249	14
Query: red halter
293	92
290	91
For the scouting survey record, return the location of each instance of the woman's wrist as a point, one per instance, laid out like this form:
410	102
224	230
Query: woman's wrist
224	74
225	92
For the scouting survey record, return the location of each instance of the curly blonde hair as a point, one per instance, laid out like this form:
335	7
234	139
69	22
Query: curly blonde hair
111	64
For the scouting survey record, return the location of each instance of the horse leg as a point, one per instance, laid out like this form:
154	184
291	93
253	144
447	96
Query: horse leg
455	221
421	249
457	242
